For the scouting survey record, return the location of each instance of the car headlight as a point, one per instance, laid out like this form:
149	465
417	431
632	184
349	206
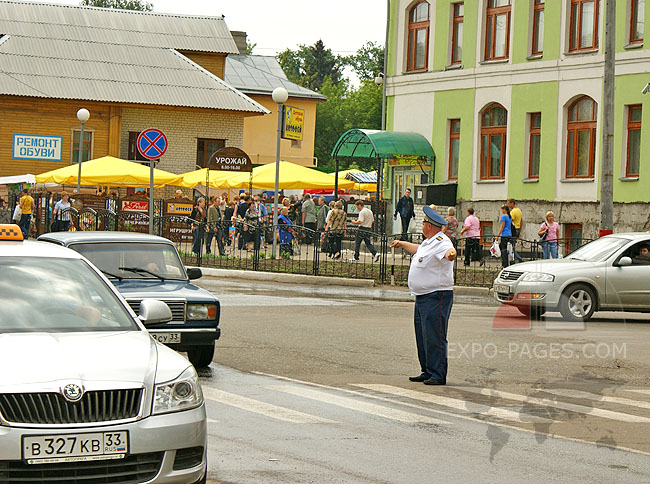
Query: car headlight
201	311
538	277
183	393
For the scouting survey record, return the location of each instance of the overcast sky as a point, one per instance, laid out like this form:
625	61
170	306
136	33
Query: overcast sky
274	25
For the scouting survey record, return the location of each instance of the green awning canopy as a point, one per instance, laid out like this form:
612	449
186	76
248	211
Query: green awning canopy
368	143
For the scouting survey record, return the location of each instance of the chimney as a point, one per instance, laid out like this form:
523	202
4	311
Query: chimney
240	40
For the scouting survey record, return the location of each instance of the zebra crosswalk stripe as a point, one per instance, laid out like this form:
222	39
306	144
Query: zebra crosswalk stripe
357	404
570	407
476	408
261	408
595	397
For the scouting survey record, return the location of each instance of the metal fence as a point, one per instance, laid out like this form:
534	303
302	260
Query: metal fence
300	250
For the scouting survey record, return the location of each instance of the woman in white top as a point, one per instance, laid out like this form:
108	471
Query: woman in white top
57	215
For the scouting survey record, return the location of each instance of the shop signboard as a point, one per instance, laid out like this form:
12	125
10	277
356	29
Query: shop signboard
293	123
36	147
177	229
230	159
134	216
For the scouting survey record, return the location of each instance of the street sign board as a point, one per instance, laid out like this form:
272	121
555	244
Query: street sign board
292	124
230	159
152	143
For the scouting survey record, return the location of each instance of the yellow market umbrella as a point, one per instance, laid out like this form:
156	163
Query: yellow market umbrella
108	170
218	179
291	176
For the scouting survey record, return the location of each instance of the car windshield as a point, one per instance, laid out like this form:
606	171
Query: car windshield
39	294
599	249
134	260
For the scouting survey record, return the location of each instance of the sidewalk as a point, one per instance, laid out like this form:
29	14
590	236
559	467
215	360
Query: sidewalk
333	286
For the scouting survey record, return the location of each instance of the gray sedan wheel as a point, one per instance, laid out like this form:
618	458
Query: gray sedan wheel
578	303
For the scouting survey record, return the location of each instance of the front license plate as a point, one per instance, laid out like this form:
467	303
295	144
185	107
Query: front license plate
167	337
46	449
502	289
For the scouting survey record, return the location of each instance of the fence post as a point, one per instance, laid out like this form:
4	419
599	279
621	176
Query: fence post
383	260
316	252
256	248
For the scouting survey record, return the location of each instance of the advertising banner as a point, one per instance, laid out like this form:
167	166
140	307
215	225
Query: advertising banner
36	147
293	122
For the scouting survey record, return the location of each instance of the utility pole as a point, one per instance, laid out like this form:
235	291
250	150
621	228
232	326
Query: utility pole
607	158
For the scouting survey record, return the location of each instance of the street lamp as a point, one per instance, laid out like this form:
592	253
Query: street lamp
82	115
280	96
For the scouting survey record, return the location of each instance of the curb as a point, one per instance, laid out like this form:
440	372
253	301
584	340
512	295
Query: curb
286	278
330	285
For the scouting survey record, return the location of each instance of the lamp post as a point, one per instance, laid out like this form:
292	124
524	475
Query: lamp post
82	115
280	96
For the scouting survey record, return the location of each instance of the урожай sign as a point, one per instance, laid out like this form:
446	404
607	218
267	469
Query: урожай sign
292	124
230	159
152	143
36	147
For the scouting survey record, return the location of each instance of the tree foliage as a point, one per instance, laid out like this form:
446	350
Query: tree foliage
317	68
143	6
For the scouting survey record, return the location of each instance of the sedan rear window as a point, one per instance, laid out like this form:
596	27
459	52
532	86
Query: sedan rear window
57	295
599	249
134	260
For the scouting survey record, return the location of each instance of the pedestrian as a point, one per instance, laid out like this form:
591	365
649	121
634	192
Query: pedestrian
406	212
472	231
308	217
178	194
365	221
504	235
61	219
321	216
228	220
240	215
431	281
517	226
452	225
335	229
26	209
252	224
285	232
214	226
550	230
198	226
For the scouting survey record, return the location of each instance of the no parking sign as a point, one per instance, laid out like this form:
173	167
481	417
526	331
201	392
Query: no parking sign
152	143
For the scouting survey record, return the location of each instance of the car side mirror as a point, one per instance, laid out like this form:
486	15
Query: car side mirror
194	273
624	261
153	311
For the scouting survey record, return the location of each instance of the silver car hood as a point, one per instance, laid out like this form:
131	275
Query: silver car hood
38	360
549	265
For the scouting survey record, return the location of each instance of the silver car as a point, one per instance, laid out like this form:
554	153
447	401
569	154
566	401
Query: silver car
609	274
86	394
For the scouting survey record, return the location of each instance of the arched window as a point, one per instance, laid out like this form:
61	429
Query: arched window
494	124
581	138
418	40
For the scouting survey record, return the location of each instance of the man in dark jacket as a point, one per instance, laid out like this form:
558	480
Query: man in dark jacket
406	211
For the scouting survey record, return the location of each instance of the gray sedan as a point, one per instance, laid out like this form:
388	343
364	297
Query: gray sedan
609	274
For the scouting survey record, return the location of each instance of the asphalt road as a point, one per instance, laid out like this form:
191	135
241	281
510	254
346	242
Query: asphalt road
314	389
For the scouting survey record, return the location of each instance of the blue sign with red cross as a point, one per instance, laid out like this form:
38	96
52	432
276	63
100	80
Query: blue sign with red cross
152	143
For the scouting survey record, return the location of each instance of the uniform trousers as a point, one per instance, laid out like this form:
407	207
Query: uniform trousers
431	320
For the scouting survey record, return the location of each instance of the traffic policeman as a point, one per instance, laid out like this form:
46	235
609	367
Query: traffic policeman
431	281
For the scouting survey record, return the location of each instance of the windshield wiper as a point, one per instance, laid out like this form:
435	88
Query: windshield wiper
140	269
110	274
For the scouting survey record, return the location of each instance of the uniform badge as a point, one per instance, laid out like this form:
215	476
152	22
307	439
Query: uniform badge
420	259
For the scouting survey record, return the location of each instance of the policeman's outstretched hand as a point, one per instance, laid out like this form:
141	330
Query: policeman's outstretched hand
394	243
451	254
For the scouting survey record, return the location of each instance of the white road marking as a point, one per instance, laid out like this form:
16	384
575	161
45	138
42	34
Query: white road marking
477	408
262	408
570	407
597	398
212	421
645	391
357	404
238	300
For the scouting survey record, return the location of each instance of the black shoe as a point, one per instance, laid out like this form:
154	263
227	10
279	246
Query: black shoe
431	381
419	378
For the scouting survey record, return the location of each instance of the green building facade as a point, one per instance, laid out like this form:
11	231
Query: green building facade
509	93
